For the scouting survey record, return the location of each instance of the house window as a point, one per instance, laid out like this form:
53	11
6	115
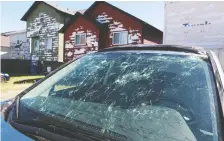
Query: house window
120	38
41	18
80	39
49	43
35	44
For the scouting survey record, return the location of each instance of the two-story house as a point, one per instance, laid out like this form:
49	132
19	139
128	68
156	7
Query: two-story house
43	21
104	25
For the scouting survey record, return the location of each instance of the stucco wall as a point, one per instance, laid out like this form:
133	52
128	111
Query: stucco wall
195	23
80	25
46	28
118	22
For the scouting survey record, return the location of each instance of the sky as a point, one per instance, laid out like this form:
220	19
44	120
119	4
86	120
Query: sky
151	12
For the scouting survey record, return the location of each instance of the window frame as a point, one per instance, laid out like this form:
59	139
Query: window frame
46	43
33	39
120	32
217	72
80	34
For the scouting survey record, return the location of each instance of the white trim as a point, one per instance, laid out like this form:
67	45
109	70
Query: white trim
31	45
30	39
80	34
120	33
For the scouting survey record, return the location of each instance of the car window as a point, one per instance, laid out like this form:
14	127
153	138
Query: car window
143	96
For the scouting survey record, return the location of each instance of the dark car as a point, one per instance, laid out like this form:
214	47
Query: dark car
4	77
131	93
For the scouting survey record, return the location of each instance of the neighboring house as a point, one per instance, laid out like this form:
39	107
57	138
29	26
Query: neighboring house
43	22
100	26
19	45
104	25
5	47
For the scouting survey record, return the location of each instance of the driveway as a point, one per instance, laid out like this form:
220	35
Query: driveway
12	93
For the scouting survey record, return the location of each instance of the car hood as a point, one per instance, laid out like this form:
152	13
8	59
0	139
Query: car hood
8	133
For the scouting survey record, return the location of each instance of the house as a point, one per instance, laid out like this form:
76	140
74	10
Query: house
19	45
104	25
43	21
58	34
4	47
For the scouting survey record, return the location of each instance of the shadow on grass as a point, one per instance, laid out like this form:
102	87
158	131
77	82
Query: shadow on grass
11	86
27	81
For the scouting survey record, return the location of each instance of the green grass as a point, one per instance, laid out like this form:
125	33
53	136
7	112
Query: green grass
9	86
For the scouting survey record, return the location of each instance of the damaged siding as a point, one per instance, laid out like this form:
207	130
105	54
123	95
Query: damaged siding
19	46
81	25
44	22
195	24
118	22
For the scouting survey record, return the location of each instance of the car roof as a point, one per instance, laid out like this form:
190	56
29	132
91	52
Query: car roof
140	47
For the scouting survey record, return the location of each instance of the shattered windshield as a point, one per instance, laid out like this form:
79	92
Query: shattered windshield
145	96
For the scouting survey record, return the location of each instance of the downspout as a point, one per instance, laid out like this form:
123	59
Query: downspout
143	34
63	54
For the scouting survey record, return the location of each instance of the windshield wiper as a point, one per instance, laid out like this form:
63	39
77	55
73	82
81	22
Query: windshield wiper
92	129
40	125
76	134
82	130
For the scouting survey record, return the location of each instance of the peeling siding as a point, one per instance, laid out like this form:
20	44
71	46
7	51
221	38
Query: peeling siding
45	22
81	25
102	36
19	46
195	24
118	22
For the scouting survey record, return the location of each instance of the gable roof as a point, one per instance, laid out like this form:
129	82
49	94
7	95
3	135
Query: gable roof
36	3
74	17
145	24
80	11
13	32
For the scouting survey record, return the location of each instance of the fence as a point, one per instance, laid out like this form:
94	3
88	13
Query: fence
23	67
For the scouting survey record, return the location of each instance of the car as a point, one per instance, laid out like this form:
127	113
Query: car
8	133
4	77
126	93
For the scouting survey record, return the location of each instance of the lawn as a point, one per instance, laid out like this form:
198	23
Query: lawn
8	86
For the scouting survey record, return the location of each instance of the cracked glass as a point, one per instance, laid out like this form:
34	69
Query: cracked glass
142	96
